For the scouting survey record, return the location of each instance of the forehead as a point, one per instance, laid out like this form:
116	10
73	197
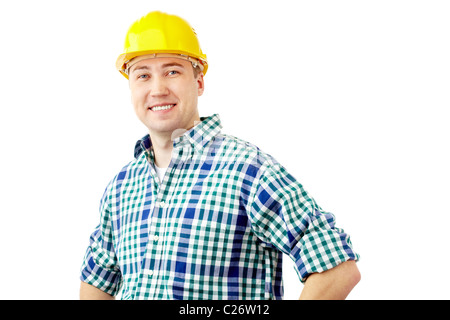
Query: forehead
160	63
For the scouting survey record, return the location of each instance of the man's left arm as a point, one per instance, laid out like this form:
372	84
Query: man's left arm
283	214
333	284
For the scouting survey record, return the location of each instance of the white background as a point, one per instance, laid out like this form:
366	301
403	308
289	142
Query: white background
350	96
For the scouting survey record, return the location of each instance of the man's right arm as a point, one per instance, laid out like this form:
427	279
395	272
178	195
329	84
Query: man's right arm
89	292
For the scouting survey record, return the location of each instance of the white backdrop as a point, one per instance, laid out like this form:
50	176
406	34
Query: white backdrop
350	96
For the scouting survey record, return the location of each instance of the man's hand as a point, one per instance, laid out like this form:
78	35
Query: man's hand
333	284
88	292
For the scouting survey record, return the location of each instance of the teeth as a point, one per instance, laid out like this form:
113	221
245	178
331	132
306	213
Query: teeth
159	108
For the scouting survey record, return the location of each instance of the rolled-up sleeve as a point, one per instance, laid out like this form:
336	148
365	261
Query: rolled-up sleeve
284	215
100	267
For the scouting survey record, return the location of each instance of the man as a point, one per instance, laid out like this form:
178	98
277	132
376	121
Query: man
199	214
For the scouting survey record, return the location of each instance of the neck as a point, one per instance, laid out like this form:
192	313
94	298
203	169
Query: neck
162	149
162	144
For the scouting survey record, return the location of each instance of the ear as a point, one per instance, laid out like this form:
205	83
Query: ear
200	84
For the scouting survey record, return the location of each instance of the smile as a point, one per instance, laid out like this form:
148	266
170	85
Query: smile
160	108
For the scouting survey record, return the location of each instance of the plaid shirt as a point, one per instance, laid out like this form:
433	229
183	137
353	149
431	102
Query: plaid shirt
214	228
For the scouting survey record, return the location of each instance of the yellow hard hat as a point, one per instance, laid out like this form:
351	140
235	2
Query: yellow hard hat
161	34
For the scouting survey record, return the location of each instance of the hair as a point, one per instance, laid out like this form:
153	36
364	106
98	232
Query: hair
197	71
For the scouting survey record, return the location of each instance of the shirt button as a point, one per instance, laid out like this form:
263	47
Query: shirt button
162	204
150	272
156	238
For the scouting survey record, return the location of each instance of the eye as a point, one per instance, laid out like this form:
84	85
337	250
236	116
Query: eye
143	76
172	73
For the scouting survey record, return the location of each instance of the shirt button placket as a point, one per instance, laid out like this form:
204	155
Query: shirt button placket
155	242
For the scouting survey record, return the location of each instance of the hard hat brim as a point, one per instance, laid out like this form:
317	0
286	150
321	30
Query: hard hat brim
125	58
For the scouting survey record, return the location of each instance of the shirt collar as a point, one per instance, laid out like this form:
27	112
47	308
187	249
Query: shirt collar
199	135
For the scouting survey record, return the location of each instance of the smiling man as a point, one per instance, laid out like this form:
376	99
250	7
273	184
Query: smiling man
199	214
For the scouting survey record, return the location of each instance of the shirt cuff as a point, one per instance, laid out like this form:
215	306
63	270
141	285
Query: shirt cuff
107	280
322	250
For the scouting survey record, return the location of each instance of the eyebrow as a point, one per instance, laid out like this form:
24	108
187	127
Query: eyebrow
166	65
172	64
139	68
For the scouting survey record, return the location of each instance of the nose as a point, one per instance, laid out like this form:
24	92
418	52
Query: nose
158	87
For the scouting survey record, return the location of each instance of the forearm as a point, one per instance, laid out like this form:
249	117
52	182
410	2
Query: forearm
89	292
333	284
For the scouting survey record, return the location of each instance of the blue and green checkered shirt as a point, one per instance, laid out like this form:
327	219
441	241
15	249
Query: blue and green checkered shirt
215	227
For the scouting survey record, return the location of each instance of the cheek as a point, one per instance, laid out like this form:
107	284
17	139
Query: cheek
138	103
188	94
137	98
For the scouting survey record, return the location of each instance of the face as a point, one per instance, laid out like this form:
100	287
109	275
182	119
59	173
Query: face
164	93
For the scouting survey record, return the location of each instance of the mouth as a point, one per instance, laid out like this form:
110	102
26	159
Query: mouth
162	107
